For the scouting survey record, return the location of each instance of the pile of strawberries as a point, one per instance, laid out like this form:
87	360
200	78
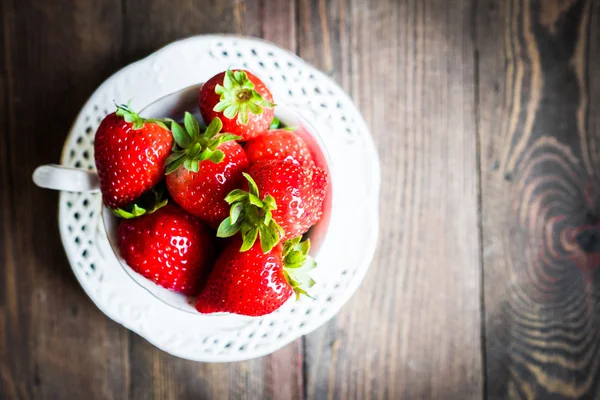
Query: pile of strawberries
215	213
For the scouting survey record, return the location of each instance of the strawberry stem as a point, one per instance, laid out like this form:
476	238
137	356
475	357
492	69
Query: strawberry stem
124	111
252	217
297	264
144	205
192	147
238	97
275	123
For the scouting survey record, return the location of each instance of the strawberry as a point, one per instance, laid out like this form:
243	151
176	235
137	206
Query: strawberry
169	247
204	168
254	283
279	144
240	99
130	152
292	203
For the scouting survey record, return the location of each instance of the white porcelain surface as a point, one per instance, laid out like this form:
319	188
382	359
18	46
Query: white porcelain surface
345	253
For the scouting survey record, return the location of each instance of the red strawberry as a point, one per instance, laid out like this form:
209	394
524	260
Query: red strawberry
204	168
130	153
254	283
169	247
240	99
292	202
279	144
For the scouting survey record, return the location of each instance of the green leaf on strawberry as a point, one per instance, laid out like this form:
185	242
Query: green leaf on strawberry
136	211
144	205
124	111
180	136
252	217
192	147
249	237
238	97
275	123
191	125
297	264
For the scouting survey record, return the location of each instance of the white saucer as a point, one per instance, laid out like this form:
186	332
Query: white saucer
345	254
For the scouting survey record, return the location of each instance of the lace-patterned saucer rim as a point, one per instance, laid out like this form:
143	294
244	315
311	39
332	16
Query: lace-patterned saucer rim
368	246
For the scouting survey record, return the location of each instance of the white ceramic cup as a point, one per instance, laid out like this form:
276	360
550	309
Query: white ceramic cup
174	106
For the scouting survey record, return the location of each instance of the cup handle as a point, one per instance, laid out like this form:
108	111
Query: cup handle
57	177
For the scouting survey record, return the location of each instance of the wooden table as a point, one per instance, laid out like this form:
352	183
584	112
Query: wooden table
486	115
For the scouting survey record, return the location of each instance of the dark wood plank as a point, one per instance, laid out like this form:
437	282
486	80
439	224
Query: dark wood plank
413	328
54	342
279	23
148	25
10	367
538	102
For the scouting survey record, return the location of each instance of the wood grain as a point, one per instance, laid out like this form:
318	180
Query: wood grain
540	197
51	51
486	115
413	328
